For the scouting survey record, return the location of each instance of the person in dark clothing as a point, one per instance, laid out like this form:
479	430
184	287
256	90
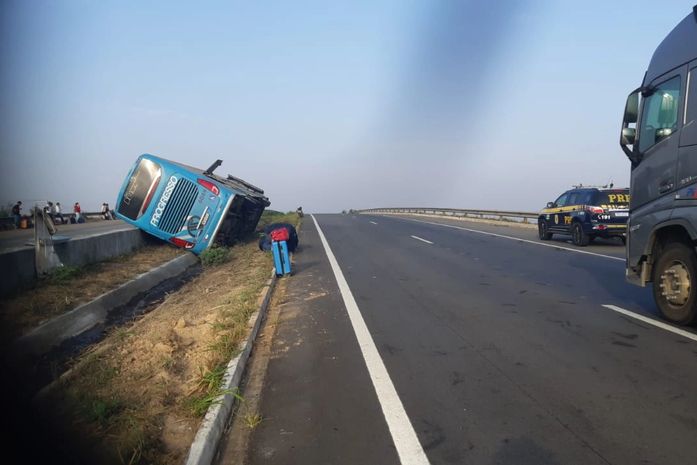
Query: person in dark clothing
17	213
265	240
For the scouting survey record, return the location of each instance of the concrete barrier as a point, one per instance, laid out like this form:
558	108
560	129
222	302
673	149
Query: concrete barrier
52	333
19	269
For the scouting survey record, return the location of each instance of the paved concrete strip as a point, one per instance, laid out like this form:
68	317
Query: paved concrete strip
651	321
421	239
405	440
212	427
503	236
50	334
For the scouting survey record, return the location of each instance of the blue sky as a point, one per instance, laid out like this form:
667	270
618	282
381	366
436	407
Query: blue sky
327	105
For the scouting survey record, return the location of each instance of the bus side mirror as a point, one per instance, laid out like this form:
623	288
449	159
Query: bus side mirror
628	134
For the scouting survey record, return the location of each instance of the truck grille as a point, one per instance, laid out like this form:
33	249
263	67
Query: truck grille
179	205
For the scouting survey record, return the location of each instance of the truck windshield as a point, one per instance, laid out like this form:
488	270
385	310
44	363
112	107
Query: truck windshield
140	189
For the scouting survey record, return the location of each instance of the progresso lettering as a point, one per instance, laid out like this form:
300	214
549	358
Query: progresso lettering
166	194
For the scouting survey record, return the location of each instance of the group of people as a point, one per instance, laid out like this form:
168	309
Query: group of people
54	211
106	212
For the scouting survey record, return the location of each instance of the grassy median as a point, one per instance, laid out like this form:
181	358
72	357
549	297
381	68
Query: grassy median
139	395
69	287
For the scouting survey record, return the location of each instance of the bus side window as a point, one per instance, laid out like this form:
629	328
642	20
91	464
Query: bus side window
689	130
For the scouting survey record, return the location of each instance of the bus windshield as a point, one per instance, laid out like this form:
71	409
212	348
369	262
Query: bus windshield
140	189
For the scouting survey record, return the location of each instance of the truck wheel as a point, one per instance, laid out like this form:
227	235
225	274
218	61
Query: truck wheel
674	289
578	236
543	230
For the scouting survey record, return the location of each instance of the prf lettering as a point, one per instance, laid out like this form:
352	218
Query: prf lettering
618	198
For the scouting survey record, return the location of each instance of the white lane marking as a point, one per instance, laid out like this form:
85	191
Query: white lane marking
405	440
651	321
373	222
513	238
422	240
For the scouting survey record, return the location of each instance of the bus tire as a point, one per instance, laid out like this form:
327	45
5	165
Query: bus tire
674	285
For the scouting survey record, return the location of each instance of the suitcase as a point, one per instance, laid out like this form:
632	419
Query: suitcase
281	260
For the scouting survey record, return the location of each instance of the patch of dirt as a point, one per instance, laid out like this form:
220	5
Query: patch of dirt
70	287
140	394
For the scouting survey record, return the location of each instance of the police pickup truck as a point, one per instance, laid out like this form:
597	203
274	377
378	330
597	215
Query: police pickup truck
586	213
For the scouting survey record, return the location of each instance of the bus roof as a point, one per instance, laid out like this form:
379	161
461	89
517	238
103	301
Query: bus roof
679	47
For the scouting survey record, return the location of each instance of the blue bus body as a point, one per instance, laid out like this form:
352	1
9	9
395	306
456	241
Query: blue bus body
186	206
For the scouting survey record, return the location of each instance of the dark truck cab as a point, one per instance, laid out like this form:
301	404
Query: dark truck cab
659	136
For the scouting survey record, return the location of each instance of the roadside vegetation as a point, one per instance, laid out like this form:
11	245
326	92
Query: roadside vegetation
68	287
140	394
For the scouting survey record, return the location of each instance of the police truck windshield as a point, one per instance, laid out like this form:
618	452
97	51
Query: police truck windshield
143	183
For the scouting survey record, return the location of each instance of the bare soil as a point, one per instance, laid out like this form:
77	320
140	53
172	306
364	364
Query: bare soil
70	287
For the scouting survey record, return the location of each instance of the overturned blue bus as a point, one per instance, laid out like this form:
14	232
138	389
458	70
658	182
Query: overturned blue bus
188	207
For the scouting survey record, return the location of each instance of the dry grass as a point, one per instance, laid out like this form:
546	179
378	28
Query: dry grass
139	395
69	287
142	392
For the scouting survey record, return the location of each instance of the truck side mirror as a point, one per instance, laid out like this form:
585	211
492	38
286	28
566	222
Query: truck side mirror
631	108
628	134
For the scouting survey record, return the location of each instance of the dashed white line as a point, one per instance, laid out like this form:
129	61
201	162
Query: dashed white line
422	239
513	238
373	222
651	321
405	440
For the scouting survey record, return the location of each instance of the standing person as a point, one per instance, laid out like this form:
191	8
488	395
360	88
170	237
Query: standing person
109	214
49	211
17	213
102	211
57	212
78	212
299	211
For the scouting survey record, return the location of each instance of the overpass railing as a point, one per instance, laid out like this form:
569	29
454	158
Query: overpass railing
497	215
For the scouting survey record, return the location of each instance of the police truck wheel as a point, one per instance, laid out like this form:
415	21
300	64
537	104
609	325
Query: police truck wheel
543	230
578	236
674	289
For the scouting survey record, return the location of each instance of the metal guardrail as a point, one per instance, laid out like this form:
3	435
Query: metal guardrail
518	217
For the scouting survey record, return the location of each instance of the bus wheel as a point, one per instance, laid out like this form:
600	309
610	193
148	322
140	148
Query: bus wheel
578	236
674	291
543	230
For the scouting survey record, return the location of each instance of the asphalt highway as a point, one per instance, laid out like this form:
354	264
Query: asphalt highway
491	347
